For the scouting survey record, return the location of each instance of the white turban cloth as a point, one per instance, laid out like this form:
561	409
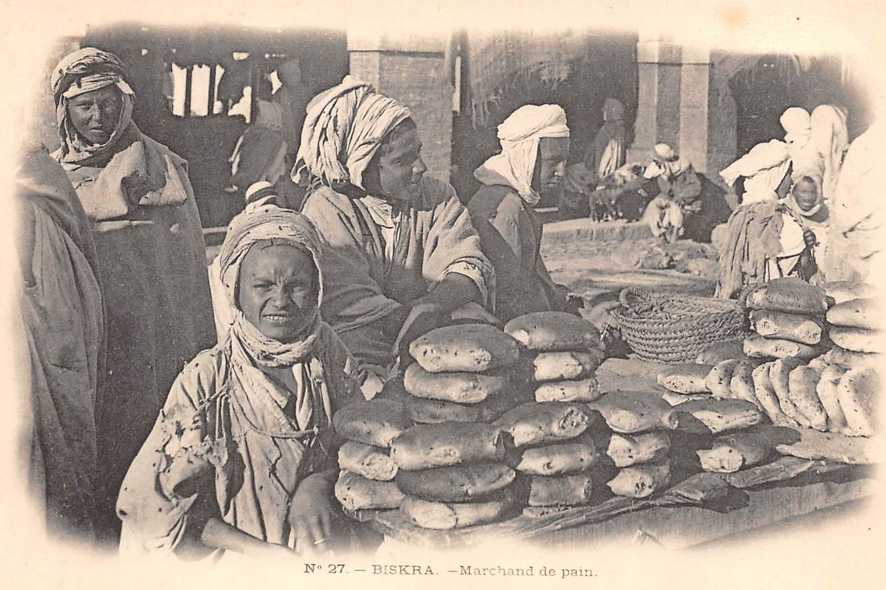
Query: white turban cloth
519	136
343	129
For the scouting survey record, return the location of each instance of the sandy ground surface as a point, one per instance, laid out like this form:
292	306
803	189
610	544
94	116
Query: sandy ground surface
592	269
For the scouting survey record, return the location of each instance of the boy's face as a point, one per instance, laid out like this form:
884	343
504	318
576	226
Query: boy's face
806	195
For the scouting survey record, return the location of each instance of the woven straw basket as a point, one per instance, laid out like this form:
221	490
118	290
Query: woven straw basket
674	327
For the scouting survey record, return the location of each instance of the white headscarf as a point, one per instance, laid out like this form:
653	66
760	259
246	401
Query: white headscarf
830	136
519	136
797	124
344	127
764	167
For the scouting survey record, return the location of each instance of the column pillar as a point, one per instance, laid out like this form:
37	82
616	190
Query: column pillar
414	71
682	102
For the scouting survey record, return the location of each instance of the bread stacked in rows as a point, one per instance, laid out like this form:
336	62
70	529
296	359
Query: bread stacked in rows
564	352
555	446
787	320
831	392
453	464
366	479
638	444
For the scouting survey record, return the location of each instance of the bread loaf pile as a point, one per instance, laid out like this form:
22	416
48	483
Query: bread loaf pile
452	465
366	479
555	446
639	443
554	451
787	320
564	353
833	392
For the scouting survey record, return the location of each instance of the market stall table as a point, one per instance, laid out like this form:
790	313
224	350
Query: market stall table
701	509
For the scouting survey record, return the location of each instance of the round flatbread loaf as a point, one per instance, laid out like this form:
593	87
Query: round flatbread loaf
857	391
630	449
454	515
790	295
767	399
827	395
720	415
719	378
802	384
377	422
733	452
355	492
461	483
641	481
559	366
633	412
537	423
461	388
442	445
787	326
370	462
581	390
474	348
559	458
553	331
741	385
432	411
855	313
857	339
565	490
779	374
721	351
685	378
756	346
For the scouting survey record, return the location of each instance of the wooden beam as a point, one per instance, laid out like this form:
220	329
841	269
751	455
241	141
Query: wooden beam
189	77
211	100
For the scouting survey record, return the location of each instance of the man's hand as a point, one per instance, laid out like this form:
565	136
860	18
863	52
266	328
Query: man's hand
423	317
311	514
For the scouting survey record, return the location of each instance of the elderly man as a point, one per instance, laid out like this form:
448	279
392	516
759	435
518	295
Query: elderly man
402	253
534	148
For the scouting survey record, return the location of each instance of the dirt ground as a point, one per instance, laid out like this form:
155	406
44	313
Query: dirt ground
595	268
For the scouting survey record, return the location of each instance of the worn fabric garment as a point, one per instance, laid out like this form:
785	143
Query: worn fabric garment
293	102
228	444
226	417
805	159
510	235
858	219
830	136
259	155
763	168
519	136
608	151
433	238
61	309
753	232
152	271
343	129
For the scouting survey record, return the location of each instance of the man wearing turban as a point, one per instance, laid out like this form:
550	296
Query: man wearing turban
402	252
534	147
151	257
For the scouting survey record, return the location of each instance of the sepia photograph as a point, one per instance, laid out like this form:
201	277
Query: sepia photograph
447	292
